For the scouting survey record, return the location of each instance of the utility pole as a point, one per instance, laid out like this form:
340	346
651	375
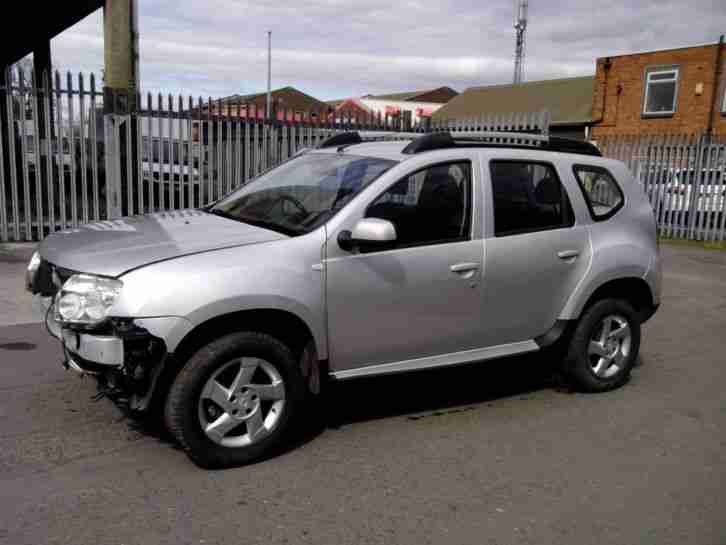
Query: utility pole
121	55
520	26
269	74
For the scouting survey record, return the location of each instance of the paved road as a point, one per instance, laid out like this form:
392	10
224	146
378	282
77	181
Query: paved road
486	454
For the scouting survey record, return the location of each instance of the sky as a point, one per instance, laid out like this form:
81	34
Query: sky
342	48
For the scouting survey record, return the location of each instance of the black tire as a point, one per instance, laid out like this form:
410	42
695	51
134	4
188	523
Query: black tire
181	409
577	366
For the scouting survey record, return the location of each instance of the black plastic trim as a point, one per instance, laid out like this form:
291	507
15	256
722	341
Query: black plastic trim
554	334
429	142
445	140
342	139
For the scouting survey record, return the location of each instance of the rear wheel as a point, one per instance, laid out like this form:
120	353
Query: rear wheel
604	346
235	400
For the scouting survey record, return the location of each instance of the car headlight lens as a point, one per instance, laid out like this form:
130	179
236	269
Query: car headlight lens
32	270
86	299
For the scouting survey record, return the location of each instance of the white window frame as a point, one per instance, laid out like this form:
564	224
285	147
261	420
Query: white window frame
654	72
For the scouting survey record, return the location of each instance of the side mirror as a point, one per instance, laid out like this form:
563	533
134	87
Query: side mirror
368	234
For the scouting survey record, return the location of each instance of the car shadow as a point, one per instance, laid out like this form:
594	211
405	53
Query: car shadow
413	395
421	394
410	394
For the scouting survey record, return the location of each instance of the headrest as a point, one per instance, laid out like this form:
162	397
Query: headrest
548	191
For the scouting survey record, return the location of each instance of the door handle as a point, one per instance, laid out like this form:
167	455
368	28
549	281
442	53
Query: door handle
464	267
568	254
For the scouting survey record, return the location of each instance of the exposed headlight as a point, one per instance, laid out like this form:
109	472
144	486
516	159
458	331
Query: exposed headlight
86	299
32	269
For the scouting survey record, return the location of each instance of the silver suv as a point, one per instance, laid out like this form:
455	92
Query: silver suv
351	260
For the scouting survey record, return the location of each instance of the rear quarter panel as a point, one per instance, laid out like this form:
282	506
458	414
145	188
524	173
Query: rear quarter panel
623	246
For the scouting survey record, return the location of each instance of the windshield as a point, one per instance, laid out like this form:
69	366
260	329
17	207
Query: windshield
303	193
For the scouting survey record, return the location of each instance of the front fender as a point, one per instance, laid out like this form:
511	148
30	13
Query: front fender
278	275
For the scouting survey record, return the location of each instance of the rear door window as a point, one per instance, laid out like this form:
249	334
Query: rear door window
528	196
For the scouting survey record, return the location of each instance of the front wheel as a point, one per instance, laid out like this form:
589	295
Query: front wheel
235	400
604	347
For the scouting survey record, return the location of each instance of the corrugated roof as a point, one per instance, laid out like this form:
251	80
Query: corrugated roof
569	100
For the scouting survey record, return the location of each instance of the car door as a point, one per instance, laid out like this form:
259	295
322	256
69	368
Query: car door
536	251
420	297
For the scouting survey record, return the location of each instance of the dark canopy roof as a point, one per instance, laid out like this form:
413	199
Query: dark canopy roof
41	21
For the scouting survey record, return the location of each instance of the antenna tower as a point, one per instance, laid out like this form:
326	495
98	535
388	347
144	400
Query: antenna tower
520	26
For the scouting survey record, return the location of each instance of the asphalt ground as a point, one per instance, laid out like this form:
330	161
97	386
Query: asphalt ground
496	452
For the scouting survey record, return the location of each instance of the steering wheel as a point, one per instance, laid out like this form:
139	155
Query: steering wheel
289	198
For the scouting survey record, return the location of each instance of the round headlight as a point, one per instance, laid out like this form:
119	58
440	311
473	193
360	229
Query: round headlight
95	308
70	306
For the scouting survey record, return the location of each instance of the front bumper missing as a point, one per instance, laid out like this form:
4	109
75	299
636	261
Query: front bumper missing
104	351
126	355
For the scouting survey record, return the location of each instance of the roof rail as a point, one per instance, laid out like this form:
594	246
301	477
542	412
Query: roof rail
421	142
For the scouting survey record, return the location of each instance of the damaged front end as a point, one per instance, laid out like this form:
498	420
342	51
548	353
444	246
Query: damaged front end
124	357
123	354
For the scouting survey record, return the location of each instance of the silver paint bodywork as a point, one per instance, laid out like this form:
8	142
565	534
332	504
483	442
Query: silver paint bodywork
378	312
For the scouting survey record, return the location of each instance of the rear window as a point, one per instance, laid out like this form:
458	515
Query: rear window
602	193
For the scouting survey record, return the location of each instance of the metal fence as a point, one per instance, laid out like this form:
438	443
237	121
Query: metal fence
63	162
683	177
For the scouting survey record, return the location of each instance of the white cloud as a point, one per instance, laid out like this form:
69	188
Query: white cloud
336	48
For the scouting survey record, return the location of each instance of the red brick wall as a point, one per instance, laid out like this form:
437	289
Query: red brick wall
621	89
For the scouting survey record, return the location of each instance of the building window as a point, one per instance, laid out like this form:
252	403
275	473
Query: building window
661	91
723	104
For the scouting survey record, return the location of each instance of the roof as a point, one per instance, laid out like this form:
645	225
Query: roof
351	104
290	96
439	94
45	20
648	51
569	100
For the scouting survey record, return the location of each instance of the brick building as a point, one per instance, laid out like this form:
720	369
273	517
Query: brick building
661	92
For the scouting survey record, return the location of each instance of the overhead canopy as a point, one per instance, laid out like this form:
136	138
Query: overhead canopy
41	21
568	100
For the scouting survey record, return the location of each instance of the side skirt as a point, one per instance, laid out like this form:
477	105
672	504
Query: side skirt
443	360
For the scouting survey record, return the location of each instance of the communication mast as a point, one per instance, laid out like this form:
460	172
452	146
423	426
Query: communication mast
520	26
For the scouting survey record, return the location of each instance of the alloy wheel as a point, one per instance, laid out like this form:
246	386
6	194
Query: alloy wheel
609	346
242	402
